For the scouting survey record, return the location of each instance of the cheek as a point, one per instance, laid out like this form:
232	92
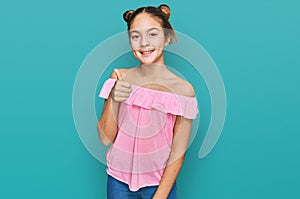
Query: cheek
159	43
134	45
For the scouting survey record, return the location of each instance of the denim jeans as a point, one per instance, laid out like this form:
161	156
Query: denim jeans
120	190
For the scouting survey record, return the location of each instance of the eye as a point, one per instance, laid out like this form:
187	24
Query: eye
153	34
135	37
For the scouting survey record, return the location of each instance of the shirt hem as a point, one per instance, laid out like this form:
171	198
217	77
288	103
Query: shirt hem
142	186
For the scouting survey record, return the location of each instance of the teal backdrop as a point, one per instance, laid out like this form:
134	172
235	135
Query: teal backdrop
255	45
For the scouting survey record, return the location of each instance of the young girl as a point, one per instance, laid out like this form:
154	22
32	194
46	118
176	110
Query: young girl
147	115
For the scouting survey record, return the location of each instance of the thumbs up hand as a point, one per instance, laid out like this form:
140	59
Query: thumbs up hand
121	89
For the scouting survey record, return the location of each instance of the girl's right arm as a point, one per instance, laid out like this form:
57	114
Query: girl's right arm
107	125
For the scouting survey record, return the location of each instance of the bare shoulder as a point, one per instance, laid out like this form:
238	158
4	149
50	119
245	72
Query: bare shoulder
183	87
123	72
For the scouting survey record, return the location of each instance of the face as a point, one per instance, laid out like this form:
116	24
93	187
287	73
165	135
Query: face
147	39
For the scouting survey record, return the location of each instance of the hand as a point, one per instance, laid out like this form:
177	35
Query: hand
121	89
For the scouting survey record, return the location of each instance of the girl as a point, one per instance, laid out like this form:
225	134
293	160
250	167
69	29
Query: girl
147	115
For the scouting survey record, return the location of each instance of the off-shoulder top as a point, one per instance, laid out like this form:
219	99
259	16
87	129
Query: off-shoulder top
142	146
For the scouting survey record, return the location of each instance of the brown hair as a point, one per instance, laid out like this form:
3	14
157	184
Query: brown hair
162	13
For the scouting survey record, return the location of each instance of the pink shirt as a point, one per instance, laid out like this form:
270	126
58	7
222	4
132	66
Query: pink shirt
142	146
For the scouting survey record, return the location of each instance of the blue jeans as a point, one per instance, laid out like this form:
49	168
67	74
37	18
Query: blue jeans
120	190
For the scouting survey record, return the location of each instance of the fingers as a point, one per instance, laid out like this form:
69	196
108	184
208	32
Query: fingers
122	89
119	99
118	73
124	86
120	94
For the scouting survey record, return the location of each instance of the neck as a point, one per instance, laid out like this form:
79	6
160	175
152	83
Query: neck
154	70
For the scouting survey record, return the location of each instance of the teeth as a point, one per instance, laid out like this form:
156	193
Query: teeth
146	52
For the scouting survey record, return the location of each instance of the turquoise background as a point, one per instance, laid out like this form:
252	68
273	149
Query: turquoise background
255	45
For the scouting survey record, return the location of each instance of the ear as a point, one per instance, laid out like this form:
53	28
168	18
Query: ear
167	41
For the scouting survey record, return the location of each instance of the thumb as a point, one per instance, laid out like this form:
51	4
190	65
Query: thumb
118	73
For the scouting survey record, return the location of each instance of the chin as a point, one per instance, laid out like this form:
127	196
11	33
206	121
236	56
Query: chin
147	62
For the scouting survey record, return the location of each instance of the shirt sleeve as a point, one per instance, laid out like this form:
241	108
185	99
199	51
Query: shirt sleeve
106	88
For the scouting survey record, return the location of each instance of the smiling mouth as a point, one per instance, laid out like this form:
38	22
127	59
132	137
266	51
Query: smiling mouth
146	52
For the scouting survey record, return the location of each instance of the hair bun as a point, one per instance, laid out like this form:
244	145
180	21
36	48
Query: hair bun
165	9
127	15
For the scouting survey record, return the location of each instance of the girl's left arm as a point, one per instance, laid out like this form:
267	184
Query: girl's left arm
181	136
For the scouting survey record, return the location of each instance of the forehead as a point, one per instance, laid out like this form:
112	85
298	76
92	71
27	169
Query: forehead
144	21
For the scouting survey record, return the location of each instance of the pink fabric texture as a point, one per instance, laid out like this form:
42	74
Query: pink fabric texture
142	146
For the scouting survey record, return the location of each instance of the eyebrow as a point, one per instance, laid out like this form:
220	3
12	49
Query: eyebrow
150	29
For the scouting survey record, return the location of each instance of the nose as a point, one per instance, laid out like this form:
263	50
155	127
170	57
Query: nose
144	41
